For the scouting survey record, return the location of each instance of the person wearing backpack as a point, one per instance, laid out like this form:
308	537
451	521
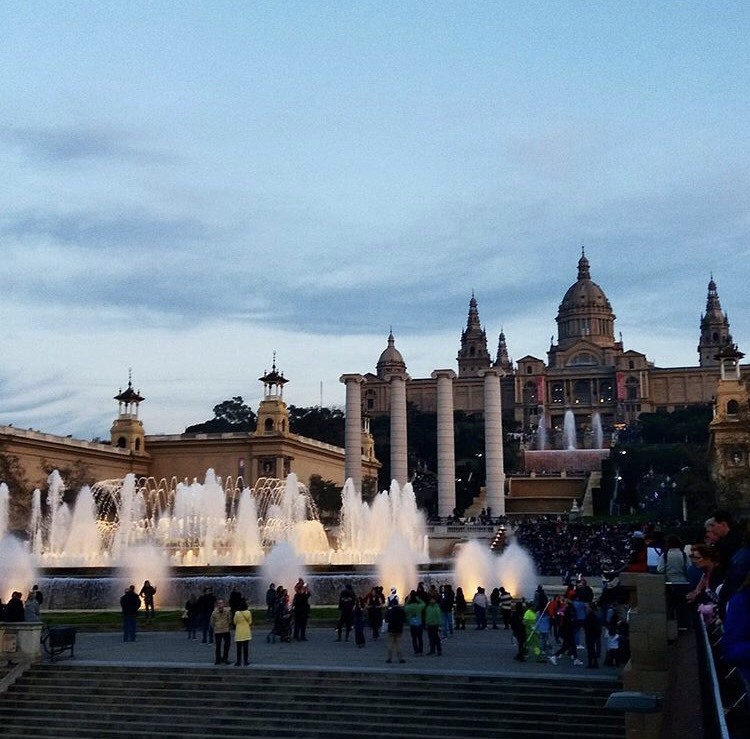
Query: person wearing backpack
673	564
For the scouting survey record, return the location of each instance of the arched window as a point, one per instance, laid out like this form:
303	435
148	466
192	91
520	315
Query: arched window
733	408
122	443
138	445
529	392
268	426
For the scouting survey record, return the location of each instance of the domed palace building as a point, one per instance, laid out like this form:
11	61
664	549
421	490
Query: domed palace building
587	371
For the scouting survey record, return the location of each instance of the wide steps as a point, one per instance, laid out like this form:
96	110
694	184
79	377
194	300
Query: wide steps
94	701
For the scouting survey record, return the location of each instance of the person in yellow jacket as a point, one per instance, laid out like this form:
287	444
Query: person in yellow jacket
243	620
532	636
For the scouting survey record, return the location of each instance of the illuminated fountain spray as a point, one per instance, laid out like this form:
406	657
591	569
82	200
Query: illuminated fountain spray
476	565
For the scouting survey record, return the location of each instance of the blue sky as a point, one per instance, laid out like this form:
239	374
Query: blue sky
189	187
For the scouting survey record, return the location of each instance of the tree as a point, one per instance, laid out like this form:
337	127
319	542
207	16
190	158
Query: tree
326	494
318	422
229	415
14	476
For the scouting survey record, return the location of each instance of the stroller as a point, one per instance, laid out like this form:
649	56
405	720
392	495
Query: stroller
282	625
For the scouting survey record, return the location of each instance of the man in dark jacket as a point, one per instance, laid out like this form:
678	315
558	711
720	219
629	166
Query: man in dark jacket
130	604
14	610
395	617
347	600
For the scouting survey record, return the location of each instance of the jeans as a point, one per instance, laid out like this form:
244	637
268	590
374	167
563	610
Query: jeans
128	627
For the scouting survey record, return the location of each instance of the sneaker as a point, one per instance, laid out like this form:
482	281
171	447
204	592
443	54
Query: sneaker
577	662
553	659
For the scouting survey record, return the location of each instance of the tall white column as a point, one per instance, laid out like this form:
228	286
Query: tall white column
493	441
446	444
353	429
399	463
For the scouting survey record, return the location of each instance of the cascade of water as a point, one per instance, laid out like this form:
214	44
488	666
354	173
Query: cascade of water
596	428
4	509
83	544
59	513
541	432
569	430
36	523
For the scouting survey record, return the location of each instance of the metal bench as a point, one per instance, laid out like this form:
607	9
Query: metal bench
57	639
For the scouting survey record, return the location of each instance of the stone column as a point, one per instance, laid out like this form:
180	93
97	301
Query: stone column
353	429
493	441
399	463
446	447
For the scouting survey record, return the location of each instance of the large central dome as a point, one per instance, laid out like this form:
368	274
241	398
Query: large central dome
585	312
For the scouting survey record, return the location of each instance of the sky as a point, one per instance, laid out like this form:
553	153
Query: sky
190	187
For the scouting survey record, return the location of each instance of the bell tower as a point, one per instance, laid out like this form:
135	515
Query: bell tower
714	329
473	355
127	429
273	415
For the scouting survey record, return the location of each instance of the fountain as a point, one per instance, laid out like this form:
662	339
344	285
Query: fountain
183	536
541	432
569	430
597	431
569	458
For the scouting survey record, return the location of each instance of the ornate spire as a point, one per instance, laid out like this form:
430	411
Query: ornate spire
714	327
583	266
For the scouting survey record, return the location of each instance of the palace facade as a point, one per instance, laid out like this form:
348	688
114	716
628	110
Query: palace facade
587	371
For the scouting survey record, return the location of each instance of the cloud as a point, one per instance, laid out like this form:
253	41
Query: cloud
62	145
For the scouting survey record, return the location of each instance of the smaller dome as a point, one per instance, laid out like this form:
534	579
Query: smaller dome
390	360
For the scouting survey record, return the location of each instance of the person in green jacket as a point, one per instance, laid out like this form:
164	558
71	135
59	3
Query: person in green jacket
414	608
432	620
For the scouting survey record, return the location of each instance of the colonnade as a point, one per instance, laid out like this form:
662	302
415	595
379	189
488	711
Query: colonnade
493	435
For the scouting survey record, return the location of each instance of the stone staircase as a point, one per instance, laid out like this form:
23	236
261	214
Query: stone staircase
126	701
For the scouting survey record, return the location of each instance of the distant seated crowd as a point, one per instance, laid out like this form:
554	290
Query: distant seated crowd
566	548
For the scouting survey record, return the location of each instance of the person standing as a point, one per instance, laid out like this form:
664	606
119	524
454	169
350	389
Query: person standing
673	564
148	591
271	602
235	600
432	623
395	618
301	610
130	604
14	608
375	603
359	622
414	609
243	621
31	609
191	616
480	608
506	605
221	620
206	605
460	609
447	601
347	598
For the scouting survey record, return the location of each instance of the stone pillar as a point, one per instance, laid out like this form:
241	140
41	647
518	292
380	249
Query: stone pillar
446	447
399	463
493	441
353	429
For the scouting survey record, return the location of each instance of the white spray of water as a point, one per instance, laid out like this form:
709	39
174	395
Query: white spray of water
283	566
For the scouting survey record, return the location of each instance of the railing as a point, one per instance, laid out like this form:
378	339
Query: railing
724	697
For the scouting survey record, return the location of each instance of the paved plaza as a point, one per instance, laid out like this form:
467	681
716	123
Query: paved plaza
467	652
